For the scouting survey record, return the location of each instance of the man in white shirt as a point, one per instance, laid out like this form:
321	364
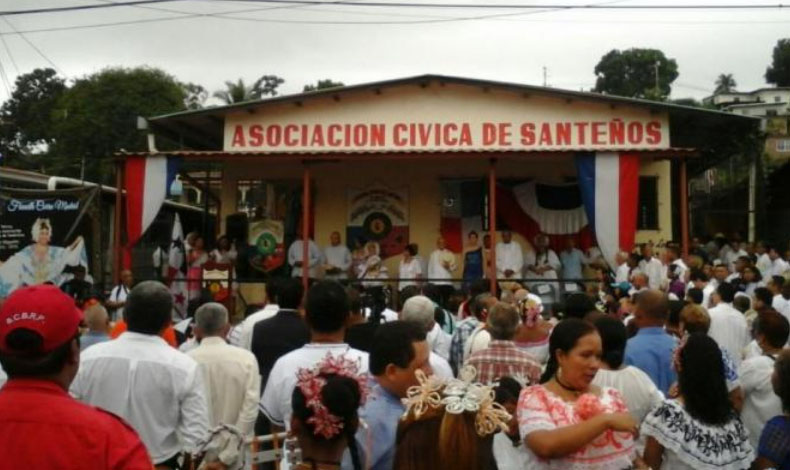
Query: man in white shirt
542	263
231	378
781	291
420	309
337	259
699	280
410	268
731	256
720	274
623	270
763	260
314	257
118	295
727	325
778	265
269	310
509	258
158	390
760	402
326	311
673	257
652	267
440	269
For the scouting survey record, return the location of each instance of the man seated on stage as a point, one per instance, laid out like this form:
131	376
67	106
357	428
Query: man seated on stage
542	265
295	252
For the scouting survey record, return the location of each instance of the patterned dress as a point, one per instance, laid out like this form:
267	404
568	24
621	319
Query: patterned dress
541	410
692	445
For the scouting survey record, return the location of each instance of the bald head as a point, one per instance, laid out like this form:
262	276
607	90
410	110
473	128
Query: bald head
96	318
652	308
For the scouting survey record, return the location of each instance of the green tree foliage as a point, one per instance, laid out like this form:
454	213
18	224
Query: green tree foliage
779	71
196	95
97	116
632	73
725	83
323	85
238	91
26	118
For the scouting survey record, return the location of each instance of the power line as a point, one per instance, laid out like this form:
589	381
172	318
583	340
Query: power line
429	19
35	48
10	55
743	6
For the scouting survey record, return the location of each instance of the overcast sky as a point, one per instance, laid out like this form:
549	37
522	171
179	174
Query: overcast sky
284	40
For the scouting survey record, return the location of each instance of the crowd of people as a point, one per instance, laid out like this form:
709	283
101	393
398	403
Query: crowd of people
666	362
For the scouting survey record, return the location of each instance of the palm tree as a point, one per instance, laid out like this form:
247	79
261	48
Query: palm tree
725	83
236	92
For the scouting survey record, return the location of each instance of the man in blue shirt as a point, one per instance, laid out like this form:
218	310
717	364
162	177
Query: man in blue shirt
651	350
399	350
572	259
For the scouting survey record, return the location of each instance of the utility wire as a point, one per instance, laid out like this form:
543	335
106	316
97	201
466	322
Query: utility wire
35	48
10	55
742	6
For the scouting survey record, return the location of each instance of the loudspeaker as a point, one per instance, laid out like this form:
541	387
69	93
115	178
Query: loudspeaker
236	228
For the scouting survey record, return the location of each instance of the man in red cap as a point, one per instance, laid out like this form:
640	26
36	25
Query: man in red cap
41	426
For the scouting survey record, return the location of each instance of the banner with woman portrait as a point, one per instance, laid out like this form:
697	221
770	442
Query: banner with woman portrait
42	236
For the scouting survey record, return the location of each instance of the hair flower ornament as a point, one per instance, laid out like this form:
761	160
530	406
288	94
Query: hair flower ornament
458	396
425	395
311	382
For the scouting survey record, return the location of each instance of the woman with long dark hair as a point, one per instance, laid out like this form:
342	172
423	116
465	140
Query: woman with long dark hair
639	392
569	423
325	416
702	410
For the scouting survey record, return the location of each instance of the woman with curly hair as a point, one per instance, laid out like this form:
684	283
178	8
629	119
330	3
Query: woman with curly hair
774	448
700	429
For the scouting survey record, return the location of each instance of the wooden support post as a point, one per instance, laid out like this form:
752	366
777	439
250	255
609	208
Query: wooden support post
305	226
492	223
684	208
117	220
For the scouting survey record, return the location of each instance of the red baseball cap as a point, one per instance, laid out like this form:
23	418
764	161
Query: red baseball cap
44	309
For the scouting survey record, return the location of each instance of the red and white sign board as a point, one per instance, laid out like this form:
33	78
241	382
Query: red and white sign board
444	119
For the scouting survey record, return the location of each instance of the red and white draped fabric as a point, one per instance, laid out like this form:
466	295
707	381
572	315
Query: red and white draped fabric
147	182
556	210
609	183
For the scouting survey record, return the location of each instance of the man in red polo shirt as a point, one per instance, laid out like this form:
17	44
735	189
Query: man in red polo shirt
41	426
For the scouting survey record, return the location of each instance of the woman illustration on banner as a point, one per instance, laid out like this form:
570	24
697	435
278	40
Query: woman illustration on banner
196	258
473	259
40	262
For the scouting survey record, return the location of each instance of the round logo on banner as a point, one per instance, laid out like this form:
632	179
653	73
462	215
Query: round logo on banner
377	226
266	243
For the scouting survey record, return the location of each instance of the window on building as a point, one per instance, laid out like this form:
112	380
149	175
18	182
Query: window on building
777	99
737	100
647	211
770	112
783	145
